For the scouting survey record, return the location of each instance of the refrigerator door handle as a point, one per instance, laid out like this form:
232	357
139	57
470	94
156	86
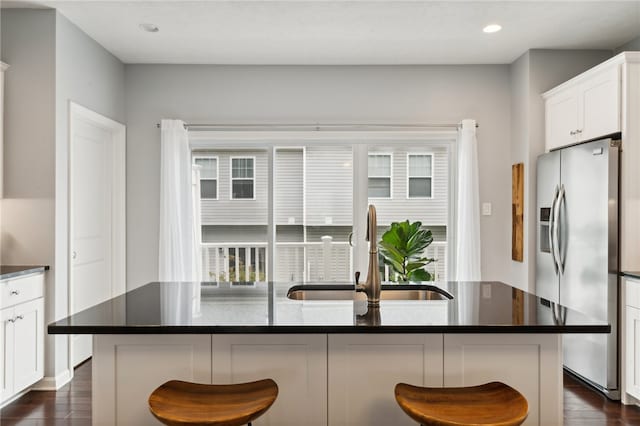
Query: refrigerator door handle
551	225
556	230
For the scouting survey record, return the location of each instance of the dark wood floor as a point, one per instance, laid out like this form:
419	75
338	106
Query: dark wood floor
71	406
585	407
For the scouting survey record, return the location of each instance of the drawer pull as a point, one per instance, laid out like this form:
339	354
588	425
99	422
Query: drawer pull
14	293
19	317
11	320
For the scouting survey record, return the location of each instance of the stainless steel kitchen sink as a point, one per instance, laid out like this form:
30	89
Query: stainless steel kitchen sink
347	292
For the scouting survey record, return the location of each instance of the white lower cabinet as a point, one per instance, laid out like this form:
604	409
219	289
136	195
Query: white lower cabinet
631	367
6	353
21	342
28	338
364	369
632	373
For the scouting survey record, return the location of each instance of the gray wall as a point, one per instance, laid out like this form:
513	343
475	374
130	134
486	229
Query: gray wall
90	76
532	74
325	94
28	206
631	45
52	62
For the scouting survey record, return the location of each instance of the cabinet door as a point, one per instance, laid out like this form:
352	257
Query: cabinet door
632	344
599	109
561	114
364	369
6	353
29	343
297	363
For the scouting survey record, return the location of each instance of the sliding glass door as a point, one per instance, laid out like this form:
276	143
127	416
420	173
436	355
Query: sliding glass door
295	211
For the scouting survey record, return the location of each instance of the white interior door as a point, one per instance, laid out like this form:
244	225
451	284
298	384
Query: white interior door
96	216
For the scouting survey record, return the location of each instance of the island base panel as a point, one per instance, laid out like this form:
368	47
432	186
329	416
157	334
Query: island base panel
297	363
127	368
325	379
530	363
365	368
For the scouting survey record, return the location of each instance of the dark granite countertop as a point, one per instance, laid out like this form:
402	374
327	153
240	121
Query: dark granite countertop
632	274
13	271
218	308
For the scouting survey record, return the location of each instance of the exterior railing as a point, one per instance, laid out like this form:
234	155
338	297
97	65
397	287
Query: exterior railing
315	261
327	260
234	261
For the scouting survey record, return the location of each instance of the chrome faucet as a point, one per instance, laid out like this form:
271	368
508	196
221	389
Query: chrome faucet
372	286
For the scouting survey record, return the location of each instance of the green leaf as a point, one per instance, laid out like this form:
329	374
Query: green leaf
419	275
390	251
415	265
391	236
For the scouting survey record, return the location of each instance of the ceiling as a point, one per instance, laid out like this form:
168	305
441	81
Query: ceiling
346	32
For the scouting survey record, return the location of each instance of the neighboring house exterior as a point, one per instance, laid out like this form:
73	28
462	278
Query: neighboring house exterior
313	198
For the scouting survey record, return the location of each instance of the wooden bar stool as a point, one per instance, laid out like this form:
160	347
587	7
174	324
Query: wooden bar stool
494	404
183	403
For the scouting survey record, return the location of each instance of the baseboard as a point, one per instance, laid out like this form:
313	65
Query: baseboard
53	383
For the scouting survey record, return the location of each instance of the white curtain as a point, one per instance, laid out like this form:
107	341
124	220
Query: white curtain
468	205
178	252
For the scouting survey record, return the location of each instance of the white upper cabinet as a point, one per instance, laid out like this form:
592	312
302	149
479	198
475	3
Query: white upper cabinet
562	119
584	108
599	109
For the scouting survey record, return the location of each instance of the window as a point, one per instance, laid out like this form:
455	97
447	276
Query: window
379	175
208	177
420	176
242	178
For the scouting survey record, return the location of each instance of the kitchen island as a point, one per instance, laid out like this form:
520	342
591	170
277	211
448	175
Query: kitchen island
336	361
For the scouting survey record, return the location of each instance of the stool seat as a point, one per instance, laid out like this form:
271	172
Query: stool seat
185	403
494	404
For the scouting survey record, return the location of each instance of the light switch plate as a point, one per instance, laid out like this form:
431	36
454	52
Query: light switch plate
486	291
486	209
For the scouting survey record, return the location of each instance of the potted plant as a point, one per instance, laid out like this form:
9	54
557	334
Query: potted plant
402	249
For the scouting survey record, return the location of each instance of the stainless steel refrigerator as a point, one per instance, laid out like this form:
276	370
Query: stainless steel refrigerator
577	249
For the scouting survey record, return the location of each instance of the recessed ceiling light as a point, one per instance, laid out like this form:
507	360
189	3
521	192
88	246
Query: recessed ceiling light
150	28
492	28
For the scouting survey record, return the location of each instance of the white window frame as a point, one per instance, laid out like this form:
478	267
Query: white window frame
231	178
217	178
381	154
430	154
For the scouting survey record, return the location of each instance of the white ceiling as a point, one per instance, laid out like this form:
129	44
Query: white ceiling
347	32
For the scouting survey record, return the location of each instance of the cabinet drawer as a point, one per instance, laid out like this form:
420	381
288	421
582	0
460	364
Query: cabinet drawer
22	289
632	288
